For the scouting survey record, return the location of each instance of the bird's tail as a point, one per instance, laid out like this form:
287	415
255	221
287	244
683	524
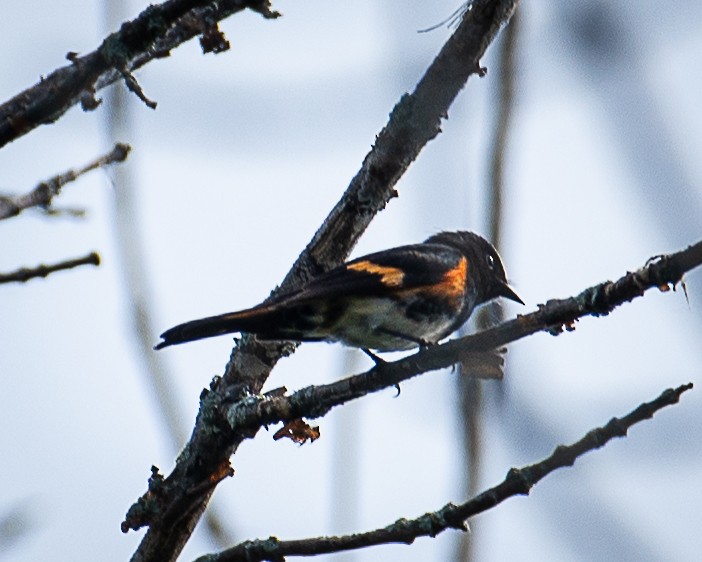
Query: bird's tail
255	320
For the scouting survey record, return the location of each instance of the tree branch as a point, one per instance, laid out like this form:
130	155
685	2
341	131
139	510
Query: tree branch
43	194
255	411
153	34
414	121
518	482
25	274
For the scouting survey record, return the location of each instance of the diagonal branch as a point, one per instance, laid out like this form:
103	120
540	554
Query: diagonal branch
255	411
43	194
414	121
153	34
518	482
25	274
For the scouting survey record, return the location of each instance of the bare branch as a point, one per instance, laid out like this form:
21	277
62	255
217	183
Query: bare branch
414	121
153	34
70	212
519	481
254	412
43	194
25	274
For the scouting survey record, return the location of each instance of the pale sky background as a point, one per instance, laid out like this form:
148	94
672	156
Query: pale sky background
236	169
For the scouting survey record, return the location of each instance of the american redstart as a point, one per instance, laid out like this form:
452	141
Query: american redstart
392	300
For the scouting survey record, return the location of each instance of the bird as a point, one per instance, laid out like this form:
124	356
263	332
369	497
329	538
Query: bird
393	300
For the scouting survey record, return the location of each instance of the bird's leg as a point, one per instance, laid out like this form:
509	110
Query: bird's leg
421	342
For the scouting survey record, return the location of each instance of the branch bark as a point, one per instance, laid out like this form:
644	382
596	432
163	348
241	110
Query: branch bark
414	121
519	481
254	411
25	274
43	194
153	34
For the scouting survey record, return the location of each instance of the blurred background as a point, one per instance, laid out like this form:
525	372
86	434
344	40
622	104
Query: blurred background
227	181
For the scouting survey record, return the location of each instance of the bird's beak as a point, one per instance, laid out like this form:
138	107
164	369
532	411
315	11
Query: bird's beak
506	291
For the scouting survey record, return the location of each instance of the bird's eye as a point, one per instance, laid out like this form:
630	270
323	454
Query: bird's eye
490	261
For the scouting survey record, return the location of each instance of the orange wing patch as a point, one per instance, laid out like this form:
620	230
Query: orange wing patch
389	276
452	284
454	281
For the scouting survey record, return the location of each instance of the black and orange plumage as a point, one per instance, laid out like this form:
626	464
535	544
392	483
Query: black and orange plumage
391	300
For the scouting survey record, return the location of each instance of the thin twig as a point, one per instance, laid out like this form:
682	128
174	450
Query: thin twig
42	195
415	120
25	274
71	212
519	481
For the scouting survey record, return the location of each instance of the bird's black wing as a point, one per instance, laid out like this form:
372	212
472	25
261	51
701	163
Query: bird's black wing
383	273
303	314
